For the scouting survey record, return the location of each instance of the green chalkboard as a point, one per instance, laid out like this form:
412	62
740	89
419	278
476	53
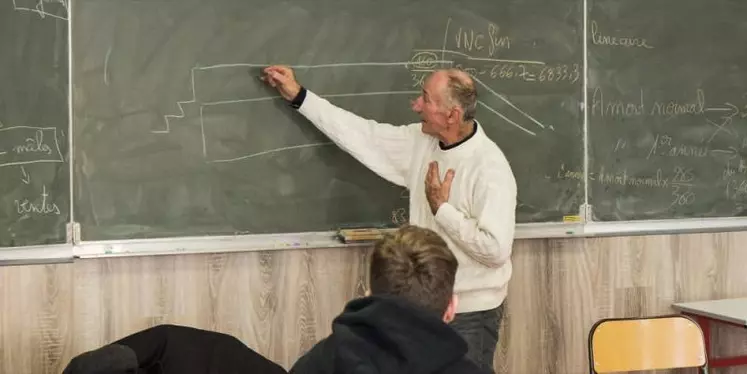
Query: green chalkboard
175	135
34	172
668	109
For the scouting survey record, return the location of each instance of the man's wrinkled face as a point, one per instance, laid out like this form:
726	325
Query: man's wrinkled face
429	105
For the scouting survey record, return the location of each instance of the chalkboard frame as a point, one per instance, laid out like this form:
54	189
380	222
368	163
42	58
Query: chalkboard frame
329	239
313	240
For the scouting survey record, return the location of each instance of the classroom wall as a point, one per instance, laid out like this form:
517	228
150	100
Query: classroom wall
281	302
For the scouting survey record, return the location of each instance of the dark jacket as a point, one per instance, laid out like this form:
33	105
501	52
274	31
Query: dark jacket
109	359
388	335
170	349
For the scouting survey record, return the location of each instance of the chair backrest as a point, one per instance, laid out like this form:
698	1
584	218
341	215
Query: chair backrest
652	343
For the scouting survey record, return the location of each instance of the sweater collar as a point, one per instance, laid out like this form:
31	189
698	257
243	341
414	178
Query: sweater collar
466	145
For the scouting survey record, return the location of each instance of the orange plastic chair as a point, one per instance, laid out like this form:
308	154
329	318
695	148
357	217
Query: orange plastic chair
650	343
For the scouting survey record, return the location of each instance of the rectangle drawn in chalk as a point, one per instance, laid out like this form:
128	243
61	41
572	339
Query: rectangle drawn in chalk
21	145
44	8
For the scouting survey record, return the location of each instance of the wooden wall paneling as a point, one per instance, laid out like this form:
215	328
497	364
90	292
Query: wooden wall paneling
36	319
282	302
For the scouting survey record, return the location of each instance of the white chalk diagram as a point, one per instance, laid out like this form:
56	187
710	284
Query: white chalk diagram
23	145
203	103
422	61
43	8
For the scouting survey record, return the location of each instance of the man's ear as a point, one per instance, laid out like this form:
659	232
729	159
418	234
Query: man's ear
451	309
367	293
455	115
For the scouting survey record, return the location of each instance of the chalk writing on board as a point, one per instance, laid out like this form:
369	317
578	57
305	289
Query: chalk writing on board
616	41
604	106
607	176
499	114
38	206
534	71
20	145
510	104
423	60
454	57
106	65
196	100
736	189
724	123
663	146
680	180
733	167
25	177
682	183
489	40
44	8
34	144
200	75
274	150
399	216
538	73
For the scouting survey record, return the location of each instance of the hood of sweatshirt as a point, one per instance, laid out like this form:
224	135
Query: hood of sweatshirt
385	334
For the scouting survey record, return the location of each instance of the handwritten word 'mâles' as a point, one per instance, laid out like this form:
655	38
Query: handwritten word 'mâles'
622	41
43	207
34	145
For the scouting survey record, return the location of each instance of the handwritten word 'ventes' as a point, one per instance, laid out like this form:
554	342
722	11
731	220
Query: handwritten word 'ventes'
44	207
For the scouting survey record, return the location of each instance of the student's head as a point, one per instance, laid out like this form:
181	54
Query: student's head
415	263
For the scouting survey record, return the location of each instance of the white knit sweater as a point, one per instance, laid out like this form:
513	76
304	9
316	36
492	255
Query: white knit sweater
478	220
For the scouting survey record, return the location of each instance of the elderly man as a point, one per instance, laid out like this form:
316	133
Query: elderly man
461	185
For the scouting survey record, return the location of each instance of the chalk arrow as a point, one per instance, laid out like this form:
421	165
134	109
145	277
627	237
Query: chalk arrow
26	177
731	108
732	152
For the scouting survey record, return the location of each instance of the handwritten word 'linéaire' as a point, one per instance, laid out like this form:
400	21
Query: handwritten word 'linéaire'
616	41
604	107
43	207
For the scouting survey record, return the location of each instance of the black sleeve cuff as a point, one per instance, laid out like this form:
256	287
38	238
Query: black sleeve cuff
298	100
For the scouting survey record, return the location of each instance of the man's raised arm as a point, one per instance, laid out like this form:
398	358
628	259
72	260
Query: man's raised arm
384	148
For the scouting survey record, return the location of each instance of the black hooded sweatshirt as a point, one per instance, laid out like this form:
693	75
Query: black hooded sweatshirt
388	335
